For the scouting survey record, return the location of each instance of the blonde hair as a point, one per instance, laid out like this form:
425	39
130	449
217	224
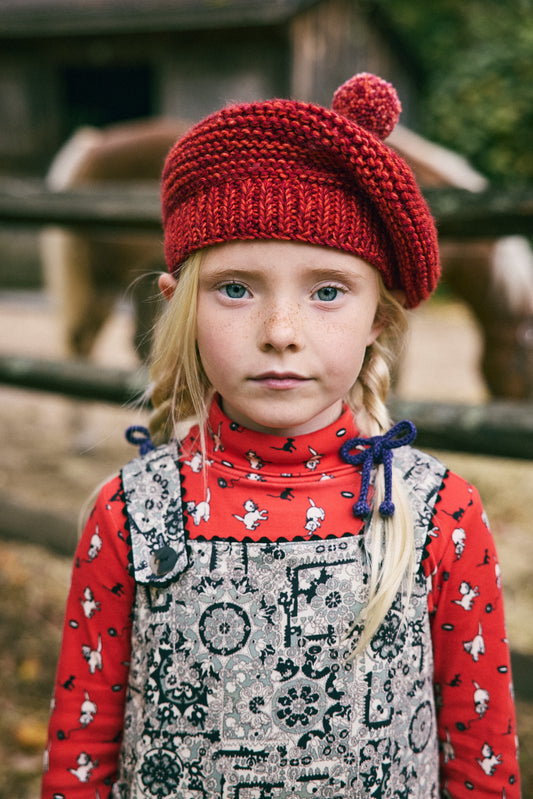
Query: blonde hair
180	393
389	542
179	389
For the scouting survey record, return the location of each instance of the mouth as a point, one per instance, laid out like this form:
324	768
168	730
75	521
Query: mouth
280	380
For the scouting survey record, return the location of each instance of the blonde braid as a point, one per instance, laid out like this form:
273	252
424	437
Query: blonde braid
369	394
389	542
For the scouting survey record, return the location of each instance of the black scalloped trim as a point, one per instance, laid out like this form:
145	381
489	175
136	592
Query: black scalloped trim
427	542
130	569
281	540
184	515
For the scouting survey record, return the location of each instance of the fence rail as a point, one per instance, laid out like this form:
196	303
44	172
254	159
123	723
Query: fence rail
120	206
75	379
502	429
459	213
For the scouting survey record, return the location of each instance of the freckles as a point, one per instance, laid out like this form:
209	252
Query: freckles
214	328
220	342
341	332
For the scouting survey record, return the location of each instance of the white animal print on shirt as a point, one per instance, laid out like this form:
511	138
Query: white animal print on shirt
476	646
314	517
490	761
93	656
201	511
89	603
85	767
253	516
468	595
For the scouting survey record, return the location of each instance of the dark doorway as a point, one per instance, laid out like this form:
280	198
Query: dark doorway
102	95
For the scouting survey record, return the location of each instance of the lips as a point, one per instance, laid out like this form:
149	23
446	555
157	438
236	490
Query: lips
280	380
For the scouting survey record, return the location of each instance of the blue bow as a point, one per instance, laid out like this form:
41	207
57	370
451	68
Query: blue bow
377	449
139	437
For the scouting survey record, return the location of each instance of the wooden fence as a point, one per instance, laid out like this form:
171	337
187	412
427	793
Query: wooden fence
460	214
496	428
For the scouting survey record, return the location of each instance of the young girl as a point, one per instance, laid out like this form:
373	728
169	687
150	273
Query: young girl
285	599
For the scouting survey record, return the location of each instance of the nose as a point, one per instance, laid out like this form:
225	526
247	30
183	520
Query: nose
282	329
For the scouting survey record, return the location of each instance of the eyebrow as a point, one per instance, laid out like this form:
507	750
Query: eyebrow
316	272
220	272
334	273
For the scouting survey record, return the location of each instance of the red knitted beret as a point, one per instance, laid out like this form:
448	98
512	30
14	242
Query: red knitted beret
282	169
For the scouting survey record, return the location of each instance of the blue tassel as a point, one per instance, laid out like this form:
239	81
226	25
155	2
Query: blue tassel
377	449
140	437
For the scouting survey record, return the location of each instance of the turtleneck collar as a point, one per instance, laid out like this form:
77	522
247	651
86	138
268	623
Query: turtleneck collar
249	485
247	449
262	486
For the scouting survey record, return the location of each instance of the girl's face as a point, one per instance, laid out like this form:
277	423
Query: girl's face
282	331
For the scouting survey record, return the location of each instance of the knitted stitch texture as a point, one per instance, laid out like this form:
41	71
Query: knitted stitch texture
282	169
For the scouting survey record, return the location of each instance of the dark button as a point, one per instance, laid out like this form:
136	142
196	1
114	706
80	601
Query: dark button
164	560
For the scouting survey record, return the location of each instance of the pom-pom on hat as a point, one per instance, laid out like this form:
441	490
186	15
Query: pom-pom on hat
282	169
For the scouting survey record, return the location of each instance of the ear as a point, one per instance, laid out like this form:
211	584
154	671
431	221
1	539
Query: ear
167	285
375	330
381	324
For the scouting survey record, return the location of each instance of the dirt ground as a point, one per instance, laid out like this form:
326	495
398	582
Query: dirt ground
56	451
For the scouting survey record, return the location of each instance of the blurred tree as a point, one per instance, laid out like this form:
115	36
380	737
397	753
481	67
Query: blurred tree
475	62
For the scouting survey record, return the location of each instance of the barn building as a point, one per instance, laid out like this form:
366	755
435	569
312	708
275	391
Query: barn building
66	63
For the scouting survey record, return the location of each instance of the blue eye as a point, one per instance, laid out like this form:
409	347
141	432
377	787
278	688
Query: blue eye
327	293
234	291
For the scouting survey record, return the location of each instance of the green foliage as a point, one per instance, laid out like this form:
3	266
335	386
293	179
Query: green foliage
475	59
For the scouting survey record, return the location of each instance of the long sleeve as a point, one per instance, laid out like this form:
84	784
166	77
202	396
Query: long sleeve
88	705
475	707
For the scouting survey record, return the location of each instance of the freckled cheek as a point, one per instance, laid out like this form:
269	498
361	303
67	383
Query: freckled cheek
343	349
220	346
347	337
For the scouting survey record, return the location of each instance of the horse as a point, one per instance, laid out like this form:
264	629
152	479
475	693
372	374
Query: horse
492	276
495	279
87	272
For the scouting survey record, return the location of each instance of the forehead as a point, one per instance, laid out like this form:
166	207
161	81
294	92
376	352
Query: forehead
283	256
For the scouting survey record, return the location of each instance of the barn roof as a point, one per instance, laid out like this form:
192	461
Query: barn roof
23	18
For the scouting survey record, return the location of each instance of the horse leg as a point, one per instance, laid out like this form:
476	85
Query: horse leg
80	309
68	273
129	265
495	278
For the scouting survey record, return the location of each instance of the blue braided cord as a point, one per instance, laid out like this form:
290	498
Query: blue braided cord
374	450
140	437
